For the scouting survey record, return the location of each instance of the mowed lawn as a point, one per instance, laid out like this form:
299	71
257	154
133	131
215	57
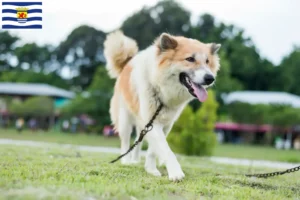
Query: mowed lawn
226	150
54	173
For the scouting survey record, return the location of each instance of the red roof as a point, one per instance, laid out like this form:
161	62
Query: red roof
242	127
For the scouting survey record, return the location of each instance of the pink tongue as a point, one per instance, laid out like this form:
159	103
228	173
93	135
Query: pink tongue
200	92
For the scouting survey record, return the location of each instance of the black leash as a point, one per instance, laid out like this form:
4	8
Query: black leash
149	127
271	174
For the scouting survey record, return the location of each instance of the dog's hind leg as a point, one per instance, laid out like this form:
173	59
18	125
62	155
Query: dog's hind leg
125	128
135	156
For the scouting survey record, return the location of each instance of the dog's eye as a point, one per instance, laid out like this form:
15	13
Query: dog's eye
190	59
207	61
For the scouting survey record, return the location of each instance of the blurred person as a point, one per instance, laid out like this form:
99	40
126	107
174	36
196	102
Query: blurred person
74	123
220	137
279	143
32	124
65	125
297	143
19	124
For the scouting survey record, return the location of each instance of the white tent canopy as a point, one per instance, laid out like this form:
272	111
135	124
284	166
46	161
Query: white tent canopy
262	97
34	89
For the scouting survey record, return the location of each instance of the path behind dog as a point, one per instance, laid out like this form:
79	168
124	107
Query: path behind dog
221	160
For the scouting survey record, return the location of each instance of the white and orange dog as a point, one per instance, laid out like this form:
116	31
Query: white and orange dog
173	70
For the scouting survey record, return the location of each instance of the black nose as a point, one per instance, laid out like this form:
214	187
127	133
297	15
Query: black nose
208	79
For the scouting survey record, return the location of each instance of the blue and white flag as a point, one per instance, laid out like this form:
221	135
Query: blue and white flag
22	15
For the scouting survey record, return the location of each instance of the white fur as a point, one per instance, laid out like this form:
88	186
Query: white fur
200	73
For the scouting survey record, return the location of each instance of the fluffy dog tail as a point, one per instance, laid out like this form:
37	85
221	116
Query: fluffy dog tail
118	50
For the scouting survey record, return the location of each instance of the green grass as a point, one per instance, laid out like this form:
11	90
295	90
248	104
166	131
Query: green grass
51	173
227	150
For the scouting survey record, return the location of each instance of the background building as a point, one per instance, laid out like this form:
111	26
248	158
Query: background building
16	94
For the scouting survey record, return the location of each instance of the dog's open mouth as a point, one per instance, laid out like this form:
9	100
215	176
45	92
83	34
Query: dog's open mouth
194	89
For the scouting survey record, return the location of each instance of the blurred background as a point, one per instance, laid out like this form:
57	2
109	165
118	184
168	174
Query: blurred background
53	81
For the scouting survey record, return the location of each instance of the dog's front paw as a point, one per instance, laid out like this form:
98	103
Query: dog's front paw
153	172
176	176
175	172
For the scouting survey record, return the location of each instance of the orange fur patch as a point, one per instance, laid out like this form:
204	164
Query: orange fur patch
126	88
187	48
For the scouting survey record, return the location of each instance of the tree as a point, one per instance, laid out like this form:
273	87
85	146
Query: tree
193	133
148	23
34	57
7	45
39	106
82	52
206	29
34	106
247	113
278	115
284	116
225	82
289	70
16	107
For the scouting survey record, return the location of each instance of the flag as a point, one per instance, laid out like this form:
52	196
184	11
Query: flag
22	15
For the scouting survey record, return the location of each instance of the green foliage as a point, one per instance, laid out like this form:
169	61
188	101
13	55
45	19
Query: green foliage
34	106
289	71
225	82
39	106
7	42
246	113
16	107
83	42
81	53
284	116
193	133
277	115
95	101
33	57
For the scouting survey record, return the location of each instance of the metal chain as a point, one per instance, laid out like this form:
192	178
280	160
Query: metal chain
147	128
271	174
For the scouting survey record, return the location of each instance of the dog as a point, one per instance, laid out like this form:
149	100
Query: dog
173	71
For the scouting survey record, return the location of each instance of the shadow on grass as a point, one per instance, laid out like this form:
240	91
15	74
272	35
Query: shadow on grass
264	186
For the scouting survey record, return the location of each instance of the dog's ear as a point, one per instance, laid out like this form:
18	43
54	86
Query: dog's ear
167	42
214	48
